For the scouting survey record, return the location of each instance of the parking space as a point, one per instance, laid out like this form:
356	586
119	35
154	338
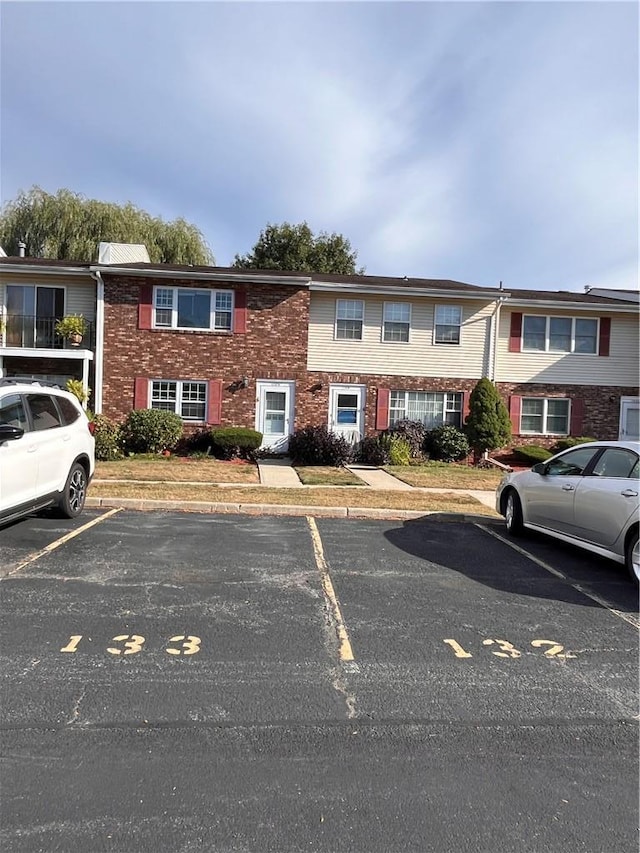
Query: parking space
276	662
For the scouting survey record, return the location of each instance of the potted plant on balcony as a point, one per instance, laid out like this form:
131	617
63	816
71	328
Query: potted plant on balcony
72	328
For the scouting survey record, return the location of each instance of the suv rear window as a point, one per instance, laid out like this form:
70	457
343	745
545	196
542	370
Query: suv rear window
44	412
70	413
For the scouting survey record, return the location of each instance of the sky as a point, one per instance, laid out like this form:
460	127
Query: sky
474	141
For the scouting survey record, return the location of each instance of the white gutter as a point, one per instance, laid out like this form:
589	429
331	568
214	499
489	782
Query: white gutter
494	334
201	276
572	306
27	269
99	357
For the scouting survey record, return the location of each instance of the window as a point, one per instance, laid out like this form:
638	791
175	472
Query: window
184	308
12	412
70	413
545	416
616	462
31	315
572	463
559	334
187	399
44	412
349	319
396	321
448	319
431	409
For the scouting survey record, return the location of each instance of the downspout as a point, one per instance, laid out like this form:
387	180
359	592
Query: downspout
99	358
495	327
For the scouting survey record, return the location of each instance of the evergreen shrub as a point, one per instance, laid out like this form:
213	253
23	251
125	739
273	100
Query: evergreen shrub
150	431
107	437
447	443
532	453
235	442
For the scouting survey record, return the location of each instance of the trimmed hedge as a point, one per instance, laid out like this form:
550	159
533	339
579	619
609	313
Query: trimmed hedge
570	441
447	444
235	442
150	431
532	453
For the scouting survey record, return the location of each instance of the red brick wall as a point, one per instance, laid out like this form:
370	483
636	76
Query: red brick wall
273	347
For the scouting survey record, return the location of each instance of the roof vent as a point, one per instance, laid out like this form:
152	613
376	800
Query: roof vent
123	253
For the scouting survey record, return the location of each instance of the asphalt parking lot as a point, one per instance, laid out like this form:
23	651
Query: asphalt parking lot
183	682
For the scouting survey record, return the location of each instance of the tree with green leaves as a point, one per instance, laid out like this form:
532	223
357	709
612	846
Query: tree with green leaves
68	226
488	425
295	248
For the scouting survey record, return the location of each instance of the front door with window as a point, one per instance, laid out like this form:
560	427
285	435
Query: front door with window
346	411
274	414
630	418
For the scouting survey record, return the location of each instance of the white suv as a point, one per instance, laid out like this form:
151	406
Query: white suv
47	449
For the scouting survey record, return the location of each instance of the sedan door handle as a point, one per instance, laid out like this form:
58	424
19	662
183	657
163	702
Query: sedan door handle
629	493
568	488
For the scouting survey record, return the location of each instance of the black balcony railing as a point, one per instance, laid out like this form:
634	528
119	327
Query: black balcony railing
26	330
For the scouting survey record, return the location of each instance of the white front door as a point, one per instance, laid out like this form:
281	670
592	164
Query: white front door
274	413
346	411
630	418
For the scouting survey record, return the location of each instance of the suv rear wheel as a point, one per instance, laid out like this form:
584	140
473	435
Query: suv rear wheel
75	492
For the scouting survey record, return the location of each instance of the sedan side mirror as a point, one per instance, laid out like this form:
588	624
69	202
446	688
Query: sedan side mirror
540	468
10	433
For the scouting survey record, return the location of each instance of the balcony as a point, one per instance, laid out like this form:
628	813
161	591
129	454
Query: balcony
28	331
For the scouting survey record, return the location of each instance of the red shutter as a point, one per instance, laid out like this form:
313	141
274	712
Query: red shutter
145	306
214	405
605	335
141	393
466	396
515	333
382	408
577	414
515	404
240	313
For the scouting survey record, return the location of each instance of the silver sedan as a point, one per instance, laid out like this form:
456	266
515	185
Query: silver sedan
587	496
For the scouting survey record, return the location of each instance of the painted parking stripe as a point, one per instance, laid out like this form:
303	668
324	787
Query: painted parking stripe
345	651
627	617
52	547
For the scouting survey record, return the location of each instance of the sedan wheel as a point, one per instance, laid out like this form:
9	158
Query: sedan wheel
513	514
632	556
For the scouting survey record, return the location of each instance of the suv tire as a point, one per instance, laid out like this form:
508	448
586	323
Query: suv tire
73	497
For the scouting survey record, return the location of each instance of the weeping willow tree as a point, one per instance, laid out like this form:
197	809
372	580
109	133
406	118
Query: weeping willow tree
68	226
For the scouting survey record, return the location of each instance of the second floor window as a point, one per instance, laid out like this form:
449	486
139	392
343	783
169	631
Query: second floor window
349	319
559	334
448	319
397	320
184	308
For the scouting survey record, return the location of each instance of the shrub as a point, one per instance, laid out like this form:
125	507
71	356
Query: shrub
570	441
150	431
374	450
447	443
488	426
107	437
399	451
315	445
413	432
196	443
235	442
532	453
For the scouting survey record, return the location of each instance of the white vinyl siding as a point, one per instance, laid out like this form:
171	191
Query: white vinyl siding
620	367
421	357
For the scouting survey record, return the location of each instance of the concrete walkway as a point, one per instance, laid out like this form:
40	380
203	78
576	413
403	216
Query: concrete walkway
278	473
378	479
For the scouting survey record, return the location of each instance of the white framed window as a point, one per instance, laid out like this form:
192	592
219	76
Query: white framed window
192	308
559	334
349	319
186	398
448	319
544	416
396	321
430	408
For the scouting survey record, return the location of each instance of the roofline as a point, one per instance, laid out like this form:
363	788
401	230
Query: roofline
381	290
519	302
156	272
25	268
